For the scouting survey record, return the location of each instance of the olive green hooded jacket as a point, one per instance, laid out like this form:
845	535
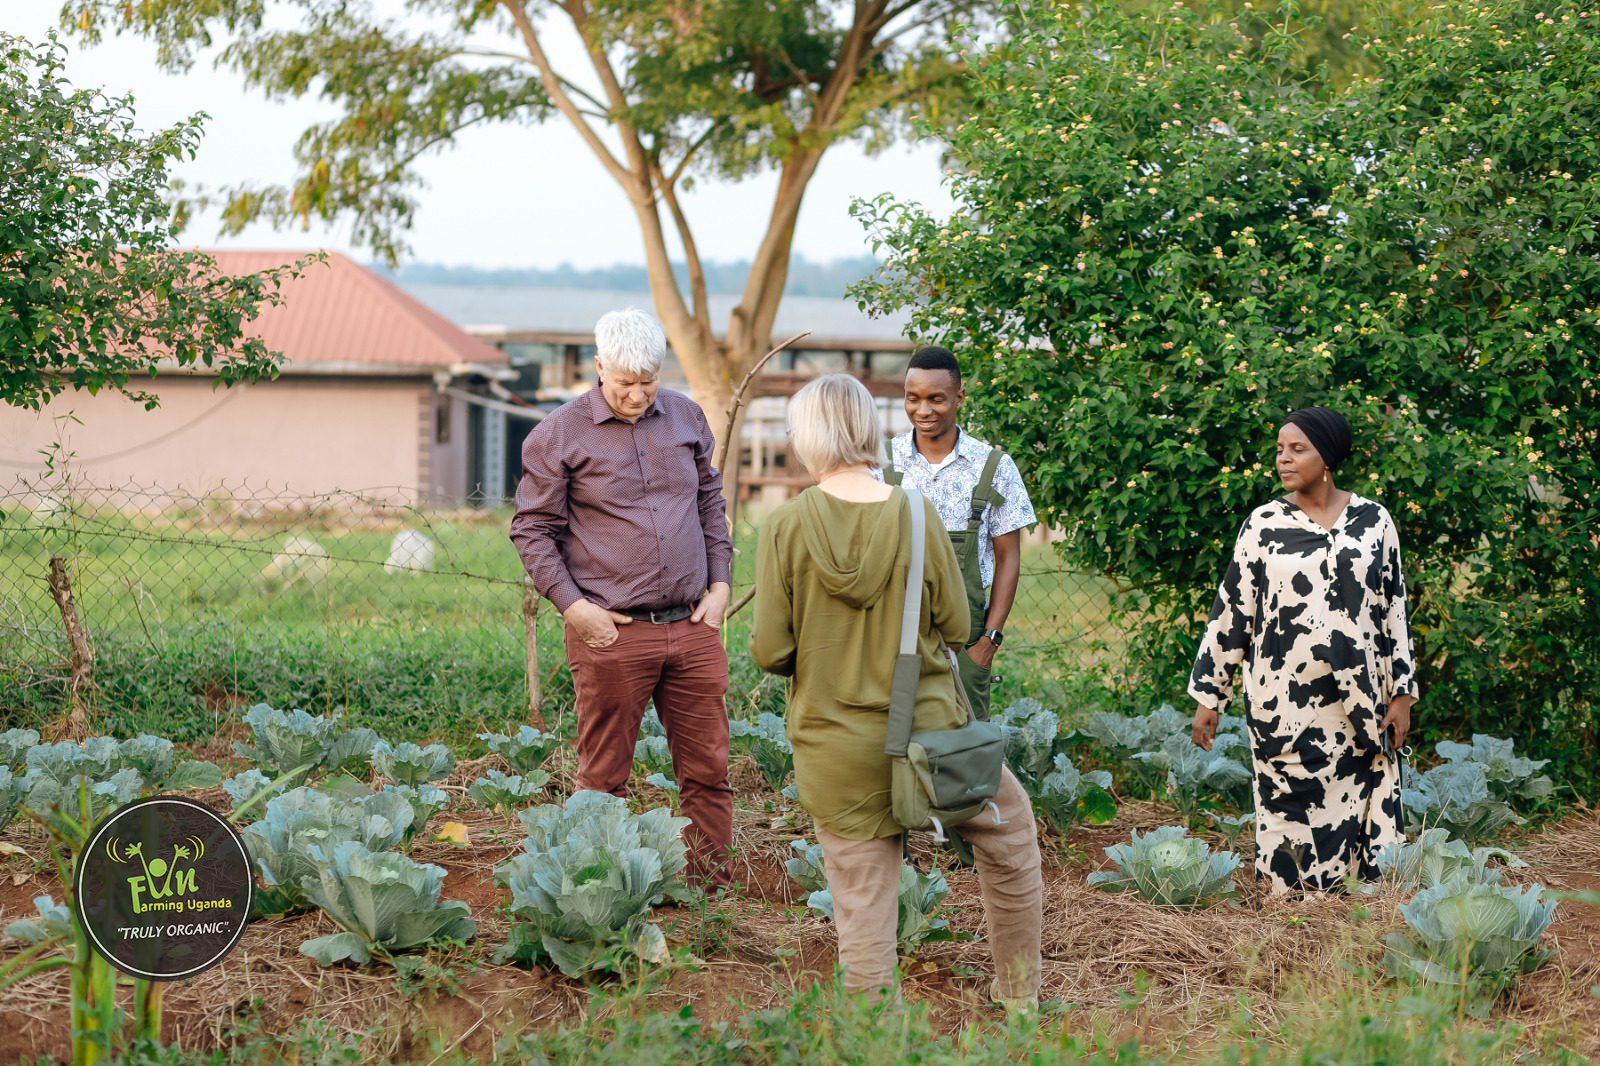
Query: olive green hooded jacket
830	588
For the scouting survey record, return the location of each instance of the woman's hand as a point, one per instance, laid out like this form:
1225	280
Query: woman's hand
1205	726
1398	719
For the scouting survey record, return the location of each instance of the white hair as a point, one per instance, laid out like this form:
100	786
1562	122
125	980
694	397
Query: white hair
833	423
630	342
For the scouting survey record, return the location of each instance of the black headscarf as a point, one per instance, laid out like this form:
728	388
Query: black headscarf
1327	430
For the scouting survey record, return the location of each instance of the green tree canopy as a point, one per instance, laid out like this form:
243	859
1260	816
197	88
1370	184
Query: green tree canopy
1166	241
92	290
718	87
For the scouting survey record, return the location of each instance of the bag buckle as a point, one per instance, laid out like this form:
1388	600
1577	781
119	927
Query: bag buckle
938	830
996	809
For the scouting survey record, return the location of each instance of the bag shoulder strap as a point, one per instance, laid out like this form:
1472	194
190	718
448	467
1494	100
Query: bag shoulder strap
911	615
908	663
891	476
985	494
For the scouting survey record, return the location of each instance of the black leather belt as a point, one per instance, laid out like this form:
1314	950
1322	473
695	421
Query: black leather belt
659	615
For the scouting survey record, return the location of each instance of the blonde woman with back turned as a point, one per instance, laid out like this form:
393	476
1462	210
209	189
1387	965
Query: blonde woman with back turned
831	574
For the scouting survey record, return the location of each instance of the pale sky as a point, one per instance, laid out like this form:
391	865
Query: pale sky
505	195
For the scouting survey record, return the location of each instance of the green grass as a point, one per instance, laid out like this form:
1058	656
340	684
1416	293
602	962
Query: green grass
183	623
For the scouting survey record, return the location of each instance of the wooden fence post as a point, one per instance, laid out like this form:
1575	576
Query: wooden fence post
530	626
76	725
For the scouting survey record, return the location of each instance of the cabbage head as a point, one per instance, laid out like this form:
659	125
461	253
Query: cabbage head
1169	867
302	820
585	881
1466	932
384	902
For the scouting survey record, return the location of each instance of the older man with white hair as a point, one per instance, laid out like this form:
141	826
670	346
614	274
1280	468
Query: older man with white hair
620	523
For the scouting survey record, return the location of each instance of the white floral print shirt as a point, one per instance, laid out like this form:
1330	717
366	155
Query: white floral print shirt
952	485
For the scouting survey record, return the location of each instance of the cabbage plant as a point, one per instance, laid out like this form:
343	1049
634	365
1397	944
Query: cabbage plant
919	896
1433	858
1064	796
12	791
290	746
525	750
412	764
54	922
1232	826
383	902
1032	734
585	881
71	786
1465	932
1456	796
767	739
1195	776
302	820
1170	867
506	793
1510	777
14	745
652	753
806	867
250	789
425	801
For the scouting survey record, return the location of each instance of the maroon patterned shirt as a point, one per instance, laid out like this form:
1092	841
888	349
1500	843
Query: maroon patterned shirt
624	515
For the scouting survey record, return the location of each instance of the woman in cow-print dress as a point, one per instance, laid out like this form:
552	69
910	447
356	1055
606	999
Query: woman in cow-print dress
1314	607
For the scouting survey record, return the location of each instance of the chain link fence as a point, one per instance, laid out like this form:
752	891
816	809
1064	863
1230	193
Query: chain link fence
194	604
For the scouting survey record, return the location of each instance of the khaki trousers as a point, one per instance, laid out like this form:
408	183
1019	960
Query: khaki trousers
864	878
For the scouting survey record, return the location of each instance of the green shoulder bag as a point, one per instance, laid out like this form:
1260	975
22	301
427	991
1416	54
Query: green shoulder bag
940	777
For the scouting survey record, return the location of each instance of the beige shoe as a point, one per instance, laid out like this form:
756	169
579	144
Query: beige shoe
1015	1006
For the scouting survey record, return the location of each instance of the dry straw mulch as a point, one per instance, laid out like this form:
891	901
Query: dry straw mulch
1172	977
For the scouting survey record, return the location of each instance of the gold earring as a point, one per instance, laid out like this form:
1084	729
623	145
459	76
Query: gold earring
1325	473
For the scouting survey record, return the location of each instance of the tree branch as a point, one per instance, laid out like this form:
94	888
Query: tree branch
691	251
555	88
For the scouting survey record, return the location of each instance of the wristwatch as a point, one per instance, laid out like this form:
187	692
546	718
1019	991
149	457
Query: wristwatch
995	636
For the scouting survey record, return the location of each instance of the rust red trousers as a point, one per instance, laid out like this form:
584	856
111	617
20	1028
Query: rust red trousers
682	668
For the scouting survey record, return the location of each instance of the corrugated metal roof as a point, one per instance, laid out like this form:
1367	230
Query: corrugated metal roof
338	314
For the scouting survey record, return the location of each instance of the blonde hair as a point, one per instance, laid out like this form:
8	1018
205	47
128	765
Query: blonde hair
833	423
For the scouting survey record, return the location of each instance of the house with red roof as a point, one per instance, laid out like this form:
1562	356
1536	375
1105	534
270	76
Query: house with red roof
376	397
